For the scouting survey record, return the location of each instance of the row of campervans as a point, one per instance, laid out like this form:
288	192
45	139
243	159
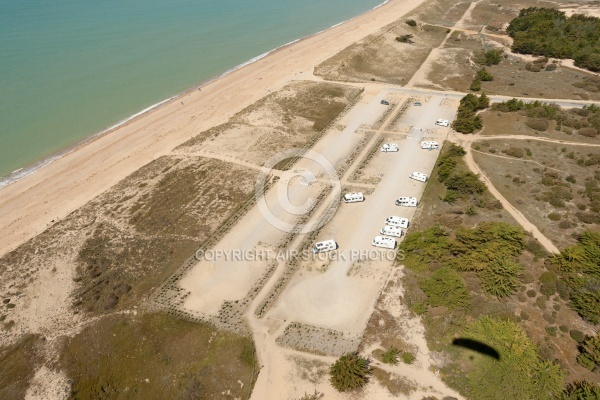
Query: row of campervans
393	228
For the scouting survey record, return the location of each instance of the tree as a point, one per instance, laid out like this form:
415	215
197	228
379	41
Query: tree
484	75
484	101
590	353
581	391
350	371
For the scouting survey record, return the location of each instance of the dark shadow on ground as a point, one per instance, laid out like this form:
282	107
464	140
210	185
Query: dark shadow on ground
477	346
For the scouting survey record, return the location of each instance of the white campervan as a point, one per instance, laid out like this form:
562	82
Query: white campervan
385	242
419	176
407	201
430	145
325	245
397	221
394	231
389	147
442	122
353	197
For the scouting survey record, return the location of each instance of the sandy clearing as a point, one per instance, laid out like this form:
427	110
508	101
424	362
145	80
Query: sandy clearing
28	206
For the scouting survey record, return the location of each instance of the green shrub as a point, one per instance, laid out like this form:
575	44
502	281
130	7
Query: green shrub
519	373
590	353
588	132
554	216
581	391
408	358
577	336
531	293
514	152
484	75
445	288
390	356
411	22
502	277
490	57
537	124
450	196
350	371
465	183
551	330
475	85
571	179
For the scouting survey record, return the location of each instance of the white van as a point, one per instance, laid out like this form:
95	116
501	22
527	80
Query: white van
353	197
325	245
385	242
430	145
407	201
397	221
389	147
442	122
394	231
419	176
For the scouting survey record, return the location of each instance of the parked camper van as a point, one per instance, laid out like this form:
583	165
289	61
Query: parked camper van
419	176
394	231
389	147
353	197
385	242
430	145
325	245
407	201
397	221
442	122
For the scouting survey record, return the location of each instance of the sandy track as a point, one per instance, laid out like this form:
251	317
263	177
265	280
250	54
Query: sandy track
28	206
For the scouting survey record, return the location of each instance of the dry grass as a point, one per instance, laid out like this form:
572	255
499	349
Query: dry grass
439	12
18	363
291	117
380	57
395	384
541	186
125	356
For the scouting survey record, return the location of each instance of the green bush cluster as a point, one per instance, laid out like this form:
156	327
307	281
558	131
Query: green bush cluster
490	57
350	371
580	269
590	353
445	288
581	391
490	250
467	120
482	76
549	32
519	373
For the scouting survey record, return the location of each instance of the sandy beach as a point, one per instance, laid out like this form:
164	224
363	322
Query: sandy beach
30	205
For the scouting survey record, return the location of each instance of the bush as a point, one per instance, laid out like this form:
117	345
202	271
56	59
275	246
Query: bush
551	330
475	85
571	179
581	391
531	293
502	277
514	152
465	183
491	57
484	75
590	353
411	22
445	288
588	132
518	373
554	216
577	336
405	38
350	371
537	124
408	358
390	356
564	224
550	67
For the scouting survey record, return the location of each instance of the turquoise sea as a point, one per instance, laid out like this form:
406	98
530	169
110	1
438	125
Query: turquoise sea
71	68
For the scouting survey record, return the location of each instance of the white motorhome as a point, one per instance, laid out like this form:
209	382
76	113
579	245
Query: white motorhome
442	122
385	242
397	221
430	145
353	197
419	176
325	245
389	147
389	230
407	201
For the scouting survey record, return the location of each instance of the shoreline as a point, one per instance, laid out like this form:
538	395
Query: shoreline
33	203
32	168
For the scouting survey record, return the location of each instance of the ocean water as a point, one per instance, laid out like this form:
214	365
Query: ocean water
71	68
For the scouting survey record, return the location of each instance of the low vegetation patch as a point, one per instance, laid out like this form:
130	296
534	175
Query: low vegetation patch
579	266
148	354
18	363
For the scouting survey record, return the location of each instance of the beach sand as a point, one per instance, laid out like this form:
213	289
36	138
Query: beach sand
30	205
